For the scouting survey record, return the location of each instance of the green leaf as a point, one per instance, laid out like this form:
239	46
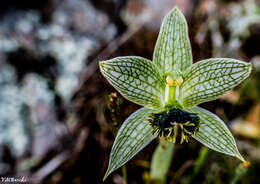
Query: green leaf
208	79
136	78
214	134
135	133
173	51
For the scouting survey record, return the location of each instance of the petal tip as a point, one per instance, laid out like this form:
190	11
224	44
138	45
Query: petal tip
175	8
246	164
102	66
108	172
250	67
101	63
240	157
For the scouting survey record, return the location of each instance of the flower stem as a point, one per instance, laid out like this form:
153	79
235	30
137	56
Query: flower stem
124	174
199	163
161	161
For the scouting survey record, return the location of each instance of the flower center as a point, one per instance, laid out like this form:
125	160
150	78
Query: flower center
172	90
173	82
167	124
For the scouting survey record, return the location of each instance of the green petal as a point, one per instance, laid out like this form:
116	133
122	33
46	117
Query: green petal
136	78
214	134
173	51
208	79
135	133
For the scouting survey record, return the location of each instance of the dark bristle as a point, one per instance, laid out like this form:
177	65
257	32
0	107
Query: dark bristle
165	121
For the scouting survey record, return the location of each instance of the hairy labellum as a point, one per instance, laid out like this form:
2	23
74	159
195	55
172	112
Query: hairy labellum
166	124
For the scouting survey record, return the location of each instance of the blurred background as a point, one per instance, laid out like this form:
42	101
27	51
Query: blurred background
59	116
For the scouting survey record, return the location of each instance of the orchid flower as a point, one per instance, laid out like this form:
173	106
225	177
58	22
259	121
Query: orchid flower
172	84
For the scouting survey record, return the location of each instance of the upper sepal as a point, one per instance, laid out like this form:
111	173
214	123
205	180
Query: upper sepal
173	51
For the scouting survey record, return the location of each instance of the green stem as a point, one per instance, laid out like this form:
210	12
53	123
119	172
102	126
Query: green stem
199	163
124	174
161	161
